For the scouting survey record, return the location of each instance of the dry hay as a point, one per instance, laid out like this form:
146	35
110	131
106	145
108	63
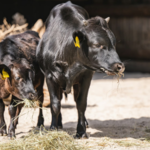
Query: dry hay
28	103
44	140
8	29
117	75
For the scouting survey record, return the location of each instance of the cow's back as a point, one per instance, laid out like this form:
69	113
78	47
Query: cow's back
19	46
67	12
25	44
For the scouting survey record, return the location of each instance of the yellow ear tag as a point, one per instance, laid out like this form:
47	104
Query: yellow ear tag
77	42
4	75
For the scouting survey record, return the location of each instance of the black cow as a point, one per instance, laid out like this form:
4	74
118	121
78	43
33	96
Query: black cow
21	76
71	49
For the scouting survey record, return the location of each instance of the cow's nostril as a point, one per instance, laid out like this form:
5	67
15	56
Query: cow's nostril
31	95
119	67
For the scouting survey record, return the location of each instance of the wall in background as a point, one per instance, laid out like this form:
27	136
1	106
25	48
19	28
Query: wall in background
130	22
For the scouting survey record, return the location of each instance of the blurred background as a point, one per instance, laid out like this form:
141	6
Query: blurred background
130	22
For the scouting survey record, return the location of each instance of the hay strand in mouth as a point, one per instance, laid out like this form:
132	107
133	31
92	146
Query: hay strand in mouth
28	103
119	75
44	140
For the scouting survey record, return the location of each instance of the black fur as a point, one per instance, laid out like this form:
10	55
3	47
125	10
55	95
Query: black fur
18	59
97	50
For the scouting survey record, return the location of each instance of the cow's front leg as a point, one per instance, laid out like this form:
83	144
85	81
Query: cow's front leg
86	123
40	117
19	107
80	95
3	127
55	98
12	112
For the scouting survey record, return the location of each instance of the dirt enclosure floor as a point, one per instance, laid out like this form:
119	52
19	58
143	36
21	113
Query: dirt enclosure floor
118	114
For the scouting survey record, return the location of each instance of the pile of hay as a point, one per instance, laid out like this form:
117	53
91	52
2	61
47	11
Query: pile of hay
43	140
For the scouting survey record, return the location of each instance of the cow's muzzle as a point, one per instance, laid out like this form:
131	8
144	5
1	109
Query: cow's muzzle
32	96
117	69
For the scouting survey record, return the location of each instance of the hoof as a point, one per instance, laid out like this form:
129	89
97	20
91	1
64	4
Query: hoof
76	136
83	136
11	135
40	124
3	132
60	127
52	128
87	126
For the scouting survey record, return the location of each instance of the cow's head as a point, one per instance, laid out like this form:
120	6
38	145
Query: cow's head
97	47
18	78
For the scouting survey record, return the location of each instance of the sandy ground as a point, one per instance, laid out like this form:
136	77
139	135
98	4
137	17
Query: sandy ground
118	114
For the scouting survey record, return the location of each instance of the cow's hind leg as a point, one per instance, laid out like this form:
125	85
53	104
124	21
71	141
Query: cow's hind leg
60	126
3	127
12	112
55	105
80	95
41	99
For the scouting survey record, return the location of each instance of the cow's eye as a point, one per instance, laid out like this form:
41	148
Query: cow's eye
104	47
17	78
22	80
96	45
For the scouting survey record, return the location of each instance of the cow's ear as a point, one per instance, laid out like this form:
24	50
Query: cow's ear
5	72
107	19
78	38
